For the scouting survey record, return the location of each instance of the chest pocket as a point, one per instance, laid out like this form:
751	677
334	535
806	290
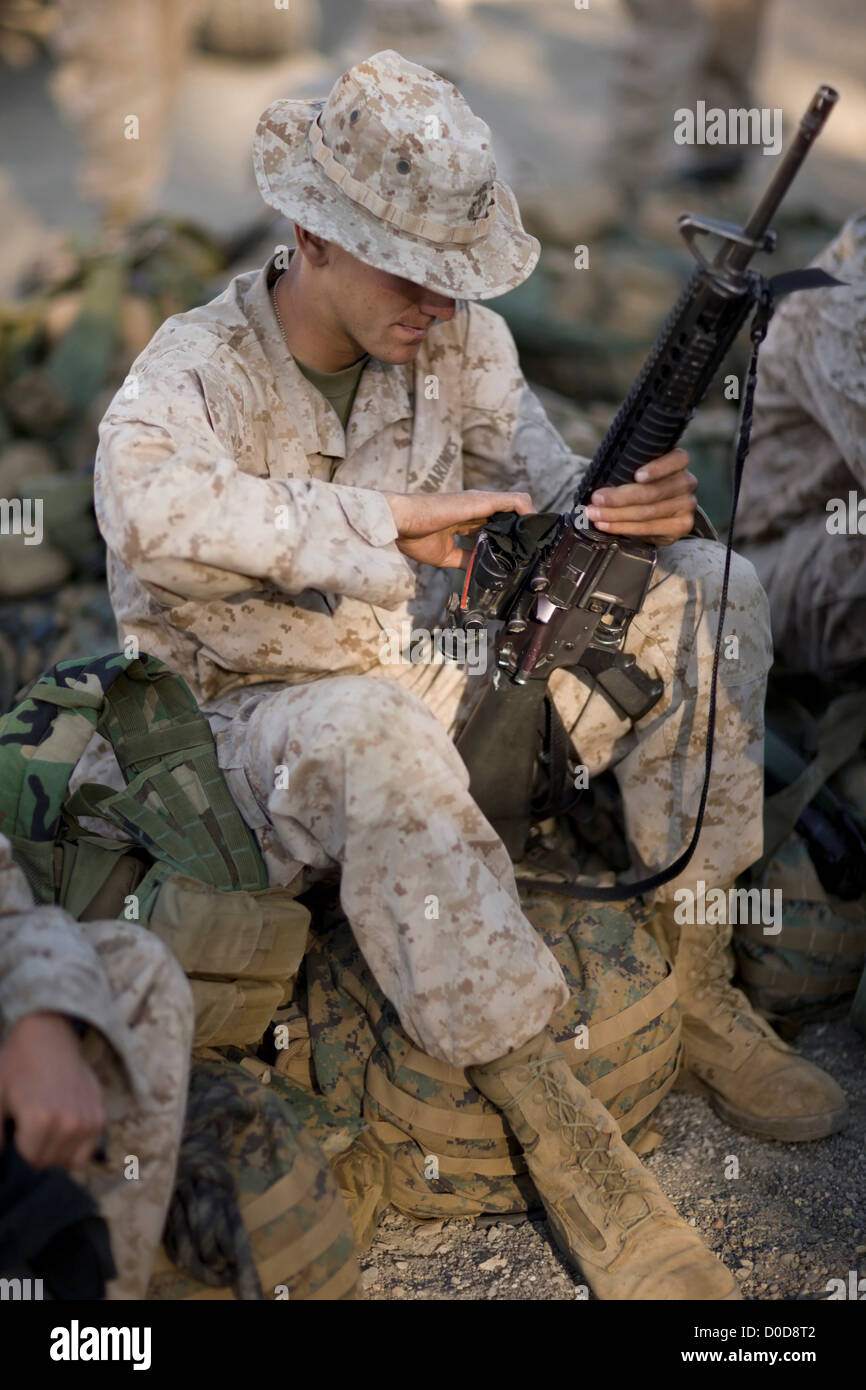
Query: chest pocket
285	458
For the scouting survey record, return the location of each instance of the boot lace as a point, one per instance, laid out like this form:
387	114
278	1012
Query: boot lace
713	970
590	1145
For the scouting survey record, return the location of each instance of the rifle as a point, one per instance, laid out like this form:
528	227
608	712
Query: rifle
564	593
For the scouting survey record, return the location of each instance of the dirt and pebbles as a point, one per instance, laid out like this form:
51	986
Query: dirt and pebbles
791	1221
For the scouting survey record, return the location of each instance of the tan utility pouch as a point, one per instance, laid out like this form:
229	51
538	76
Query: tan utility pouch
241	951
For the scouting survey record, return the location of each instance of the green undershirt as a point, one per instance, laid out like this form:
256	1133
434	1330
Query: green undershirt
338	388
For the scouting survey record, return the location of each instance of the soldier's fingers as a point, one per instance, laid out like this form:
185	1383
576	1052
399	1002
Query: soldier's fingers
523	504
438	549
486	503
672	528
662	467
418	516
456	559
74	1134
33	1137
646	512
474	524
61	1142
635	494
85	1149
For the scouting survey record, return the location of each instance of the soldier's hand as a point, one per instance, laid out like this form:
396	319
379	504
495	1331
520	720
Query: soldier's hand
427	522
658	506
50	1092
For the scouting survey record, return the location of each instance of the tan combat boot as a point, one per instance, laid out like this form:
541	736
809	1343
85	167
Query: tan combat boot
754	1080
606	1211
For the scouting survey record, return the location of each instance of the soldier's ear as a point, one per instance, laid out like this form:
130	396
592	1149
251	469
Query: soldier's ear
313	248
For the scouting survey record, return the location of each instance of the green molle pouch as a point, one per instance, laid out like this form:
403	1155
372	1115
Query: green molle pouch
189	867
239	950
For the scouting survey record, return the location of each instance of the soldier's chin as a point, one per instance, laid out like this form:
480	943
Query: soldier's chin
396	350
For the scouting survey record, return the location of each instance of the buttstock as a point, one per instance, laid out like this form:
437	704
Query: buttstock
500	746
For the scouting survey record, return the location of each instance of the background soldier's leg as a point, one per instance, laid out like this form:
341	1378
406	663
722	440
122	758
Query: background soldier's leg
134	1184
120	61
664	46
354	772
677	53
816	584
733	44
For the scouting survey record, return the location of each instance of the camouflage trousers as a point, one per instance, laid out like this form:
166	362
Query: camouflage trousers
359	774
143	1125
816	583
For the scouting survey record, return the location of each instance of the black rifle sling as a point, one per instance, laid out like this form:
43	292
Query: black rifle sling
766	294
558	796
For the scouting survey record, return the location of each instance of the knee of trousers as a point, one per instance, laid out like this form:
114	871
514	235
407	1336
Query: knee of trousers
747	645
747	618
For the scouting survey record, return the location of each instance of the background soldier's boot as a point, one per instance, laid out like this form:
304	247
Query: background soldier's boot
606	1211
755	1081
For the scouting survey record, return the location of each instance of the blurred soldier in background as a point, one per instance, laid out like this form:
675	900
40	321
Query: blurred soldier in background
424	31
117	80
119	70
802	517
679	52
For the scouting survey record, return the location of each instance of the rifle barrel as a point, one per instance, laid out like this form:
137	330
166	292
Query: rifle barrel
735	256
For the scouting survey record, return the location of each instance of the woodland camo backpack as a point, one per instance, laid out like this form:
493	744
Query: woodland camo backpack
449	1151
256	1211
189	867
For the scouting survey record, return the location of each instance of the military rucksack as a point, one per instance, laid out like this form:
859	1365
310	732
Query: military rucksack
450	1151
189	868
285	1232
812	966
814	859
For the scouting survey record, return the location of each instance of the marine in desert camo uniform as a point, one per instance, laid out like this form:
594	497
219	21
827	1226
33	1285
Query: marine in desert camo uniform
264	551
796	522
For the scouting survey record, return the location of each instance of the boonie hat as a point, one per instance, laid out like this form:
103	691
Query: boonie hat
394	167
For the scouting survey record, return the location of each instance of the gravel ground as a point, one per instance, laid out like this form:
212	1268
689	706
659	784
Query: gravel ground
793	1219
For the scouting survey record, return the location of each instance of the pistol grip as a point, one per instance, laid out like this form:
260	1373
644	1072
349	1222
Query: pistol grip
630	691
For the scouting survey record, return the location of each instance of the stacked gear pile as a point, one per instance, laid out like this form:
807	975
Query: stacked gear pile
65	349
451	1150
256	1210
189	869
407	1128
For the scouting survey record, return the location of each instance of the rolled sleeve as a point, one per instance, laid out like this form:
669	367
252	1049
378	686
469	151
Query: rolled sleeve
368	513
